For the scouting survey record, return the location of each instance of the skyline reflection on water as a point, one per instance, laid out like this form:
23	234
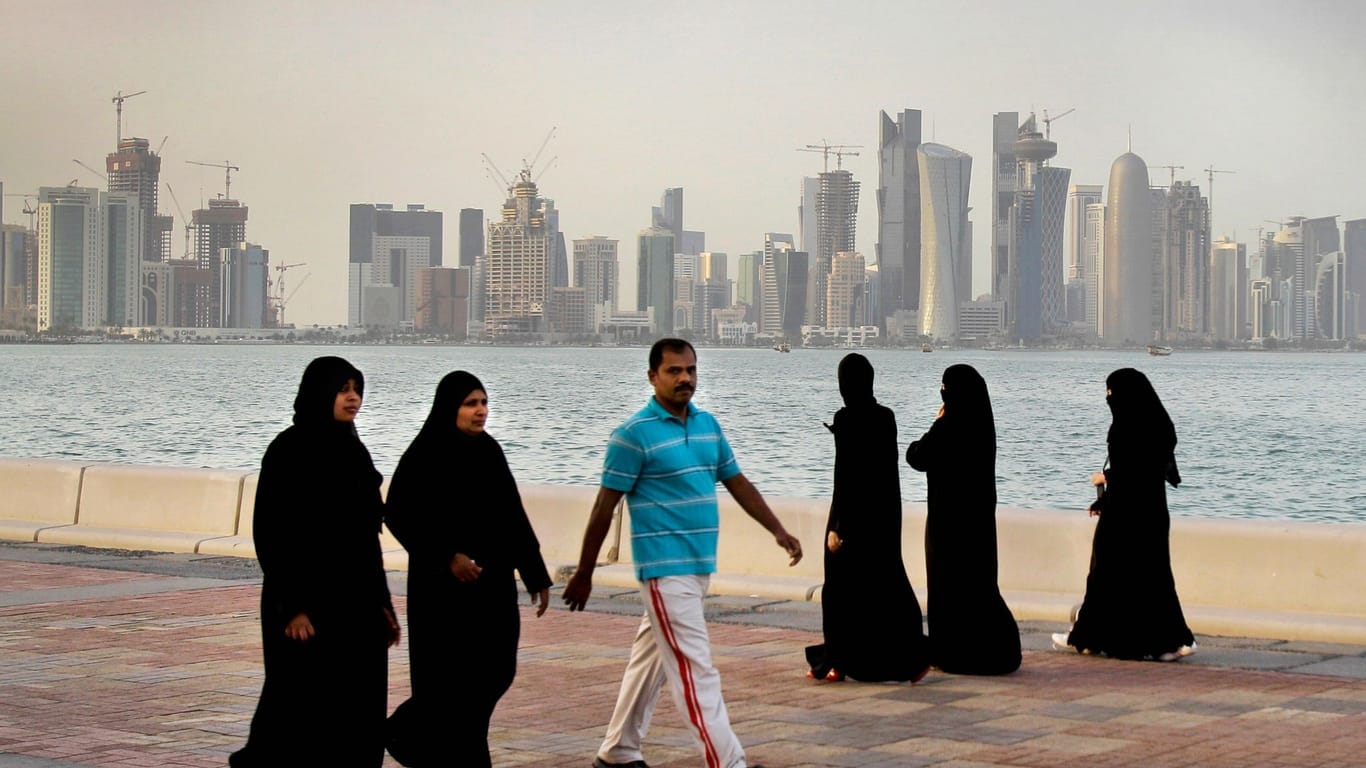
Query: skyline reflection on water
1261	435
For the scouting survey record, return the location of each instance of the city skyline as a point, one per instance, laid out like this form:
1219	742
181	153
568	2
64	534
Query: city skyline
320	119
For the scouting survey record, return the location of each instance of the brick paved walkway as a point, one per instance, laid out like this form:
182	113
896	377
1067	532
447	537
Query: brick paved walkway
104	667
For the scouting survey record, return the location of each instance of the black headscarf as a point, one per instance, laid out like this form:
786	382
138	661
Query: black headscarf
450	394
856	380
968	405
322	380
1139	419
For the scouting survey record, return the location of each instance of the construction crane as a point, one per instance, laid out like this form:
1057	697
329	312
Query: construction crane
282	300
29	210
827	149
1173	169
118	100
162	144
92	170
228	168
1048	121
495	175
527	168
184	222
1211	170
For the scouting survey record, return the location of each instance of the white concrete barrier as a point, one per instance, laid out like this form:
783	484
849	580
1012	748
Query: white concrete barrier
240	544
37	494
167	509
1261	578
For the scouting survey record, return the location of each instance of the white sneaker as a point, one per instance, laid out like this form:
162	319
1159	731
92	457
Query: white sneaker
1169	656
1187	650
1060	642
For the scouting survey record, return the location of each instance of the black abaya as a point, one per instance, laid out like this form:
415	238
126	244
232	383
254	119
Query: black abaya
316	529
454	492
1131	609
972	630
870	616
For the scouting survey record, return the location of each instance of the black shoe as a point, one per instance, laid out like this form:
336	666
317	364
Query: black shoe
598	762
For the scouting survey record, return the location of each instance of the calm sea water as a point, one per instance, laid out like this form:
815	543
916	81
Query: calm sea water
1261	435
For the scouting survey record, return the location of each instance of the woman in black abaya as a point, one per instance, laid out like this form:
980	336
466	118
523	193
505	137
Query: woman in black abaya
1131	610
326	617
972	631
454	505
869	613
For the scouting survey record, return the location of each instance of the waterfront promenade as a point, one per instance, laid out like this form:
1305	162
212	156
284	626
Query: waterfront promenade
110	658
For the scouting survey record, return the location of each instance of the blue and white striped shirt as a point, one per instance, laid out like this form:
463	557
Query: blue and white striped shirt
668	468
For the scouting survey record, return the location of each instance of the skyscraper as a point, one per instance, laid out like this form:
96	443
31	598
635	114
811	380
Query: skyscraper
945	175
806	215
443	301
222	225
519	271
596	270
387	248
1354	262
121	242
1093	248
1331	297
136	169
669	215
655	277
1127	261
246	268
1078	197
471	235
836	222
846	302
1228	287
748	286
13	274
71	269
1035	302
783	280
1185	261
1004	133
898	211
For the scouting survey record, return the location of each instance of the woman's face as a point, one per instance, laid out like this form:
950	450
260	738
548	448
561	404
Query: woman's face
347	404
474	411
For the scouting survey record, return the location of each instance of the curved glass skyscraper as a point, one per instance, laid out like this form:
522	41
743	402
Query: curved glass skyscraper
945	174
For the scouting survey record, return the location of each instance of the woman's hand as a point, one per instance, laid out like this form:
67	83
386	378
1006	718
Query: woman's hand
833	542
1097	478
300	629
394	631
464	569
542	601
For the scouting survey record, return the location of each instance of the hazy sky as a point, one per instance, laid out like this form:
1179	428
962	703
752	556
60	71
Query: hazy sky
323	104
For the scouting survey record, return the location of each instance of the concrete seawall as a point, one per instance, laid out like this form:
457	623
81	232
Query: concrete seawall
1274	579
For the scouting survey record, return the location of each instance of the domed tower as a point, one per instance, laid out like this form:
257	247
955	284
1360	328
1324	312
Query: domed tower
1127	264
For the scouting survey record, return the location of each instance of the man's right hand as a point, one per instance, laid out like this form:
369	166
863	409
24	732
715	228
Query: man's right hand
577	591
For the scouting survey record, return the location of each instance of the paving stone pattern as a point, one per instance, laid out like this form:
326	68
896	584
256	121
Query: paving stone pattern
167	675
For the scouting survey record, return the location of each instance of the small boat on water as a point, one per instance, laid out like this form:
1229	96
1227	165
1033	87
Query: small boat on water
926	347
1158	350
783	347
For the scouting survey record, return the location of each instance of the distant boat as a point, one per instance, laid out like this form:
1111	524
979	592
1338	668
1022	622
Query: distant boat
783	347
1157	350
926	347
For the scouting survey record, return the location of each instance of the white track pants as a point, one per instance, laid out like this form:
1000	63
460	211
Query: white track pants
671	643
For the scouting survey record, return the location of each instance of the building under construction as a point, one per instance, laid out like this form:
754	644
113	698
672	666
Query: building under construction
136	168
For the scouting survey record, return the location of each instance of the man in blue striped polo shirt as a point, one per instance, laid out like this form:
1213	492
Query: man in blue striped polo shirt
666	460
